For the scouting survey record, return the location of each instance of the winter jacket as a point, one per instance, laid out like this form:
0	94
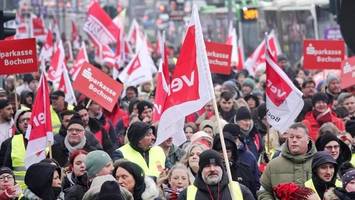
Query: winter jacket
344	195
74	187
286	168
102	135
151	191
313	126
225	194
61	153
175	154
92	193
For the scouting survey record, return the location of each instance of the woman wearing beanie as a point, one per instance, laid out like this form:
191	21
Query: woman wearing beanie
75	183
320	114
99	169
334	146
43	182
8	188
132	177
292	191
324	173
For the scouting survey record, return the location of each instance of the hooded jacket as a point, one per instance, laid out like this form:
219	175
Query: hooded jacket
344	152
286	168
321	186
241	171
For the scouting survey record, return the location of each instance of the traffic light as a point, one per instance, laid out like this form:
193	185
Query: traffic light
4	17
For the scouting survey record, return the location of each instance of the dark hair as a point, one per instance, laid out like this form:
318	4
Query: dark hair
226	95
131	105
67	112
79	107
300	125
307	81
57	93
132	88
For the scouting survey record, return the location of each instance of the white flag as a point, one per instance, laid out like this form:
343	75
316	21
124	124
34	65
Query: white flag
191	84
283	100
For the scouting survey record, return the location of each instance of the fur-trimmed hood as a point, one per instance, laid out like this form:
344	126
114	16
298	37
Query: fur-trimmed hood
151	191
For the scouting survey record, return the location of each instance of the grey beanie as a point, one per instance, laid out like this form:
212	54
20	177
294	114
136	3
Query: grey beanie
95	161
331	77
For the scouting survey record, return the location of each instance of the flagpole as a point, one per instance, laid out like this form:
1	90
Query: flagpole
88	104
15	93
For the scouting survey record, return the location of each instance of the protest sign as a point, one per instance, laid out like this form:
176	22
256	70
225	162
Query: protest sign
98	86
323	54
348	73
219	57
18	56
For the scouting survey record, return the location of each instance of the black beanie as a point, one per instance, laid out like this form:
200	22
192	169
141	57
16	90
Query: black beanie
320	96
350	127
76	119
209	157
141	105
137	131
242	113
4	103
233	129
110	190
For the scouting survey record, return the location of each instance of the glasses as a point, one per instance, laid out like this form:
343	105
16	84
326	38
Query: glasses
8	177
335	147
71	130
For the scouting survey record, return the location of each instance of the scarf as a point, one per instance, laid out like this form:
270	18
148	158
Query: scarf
73	148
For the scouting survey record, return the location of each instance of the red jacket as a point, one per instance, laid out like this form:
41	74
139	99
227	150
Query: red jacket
313	126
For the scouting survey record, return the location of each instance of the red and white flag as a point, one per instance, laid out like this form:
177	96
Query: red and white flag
39	132
162	82
38	28
57	60
237	54
257	59
81	58
66	86
133	33
99	26
74	31
191	84
136	72
108	56
283	100
47	49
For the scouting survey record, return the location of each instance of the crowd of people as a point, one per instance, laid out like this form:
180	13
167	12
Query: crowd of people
110	155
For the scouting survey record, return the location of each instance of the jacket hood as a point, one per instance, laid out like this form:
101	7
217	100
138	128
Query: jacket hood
299	158
230	143
345	152
151	191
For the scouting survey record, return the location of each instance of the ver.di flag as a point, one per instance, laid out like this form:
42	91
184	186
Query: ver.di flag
39	132
191	85
283	100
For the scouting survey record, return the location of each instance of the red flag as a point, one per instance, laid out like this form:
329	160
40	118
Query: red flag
162	82
283	100
237	58
133	32
39	132
257	59
38	28
99	26
191	84
57	60
65	85
81	58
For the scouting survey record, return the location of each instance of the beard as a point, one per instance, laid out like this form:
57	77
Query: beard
212	179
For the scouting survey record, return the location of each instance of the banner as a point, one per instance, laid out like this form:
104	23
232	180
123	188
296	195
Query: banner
323	54
18	56
219	57
348	73
98	86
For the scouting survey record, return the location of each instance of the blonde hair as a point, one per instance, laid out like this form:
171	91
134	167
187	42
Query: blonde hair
181	166
185	158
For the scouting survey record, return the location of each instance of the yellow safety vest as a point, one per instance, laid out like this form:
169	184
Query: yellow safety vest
353	159
156	159
234	189
310	185
18	152
56	123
